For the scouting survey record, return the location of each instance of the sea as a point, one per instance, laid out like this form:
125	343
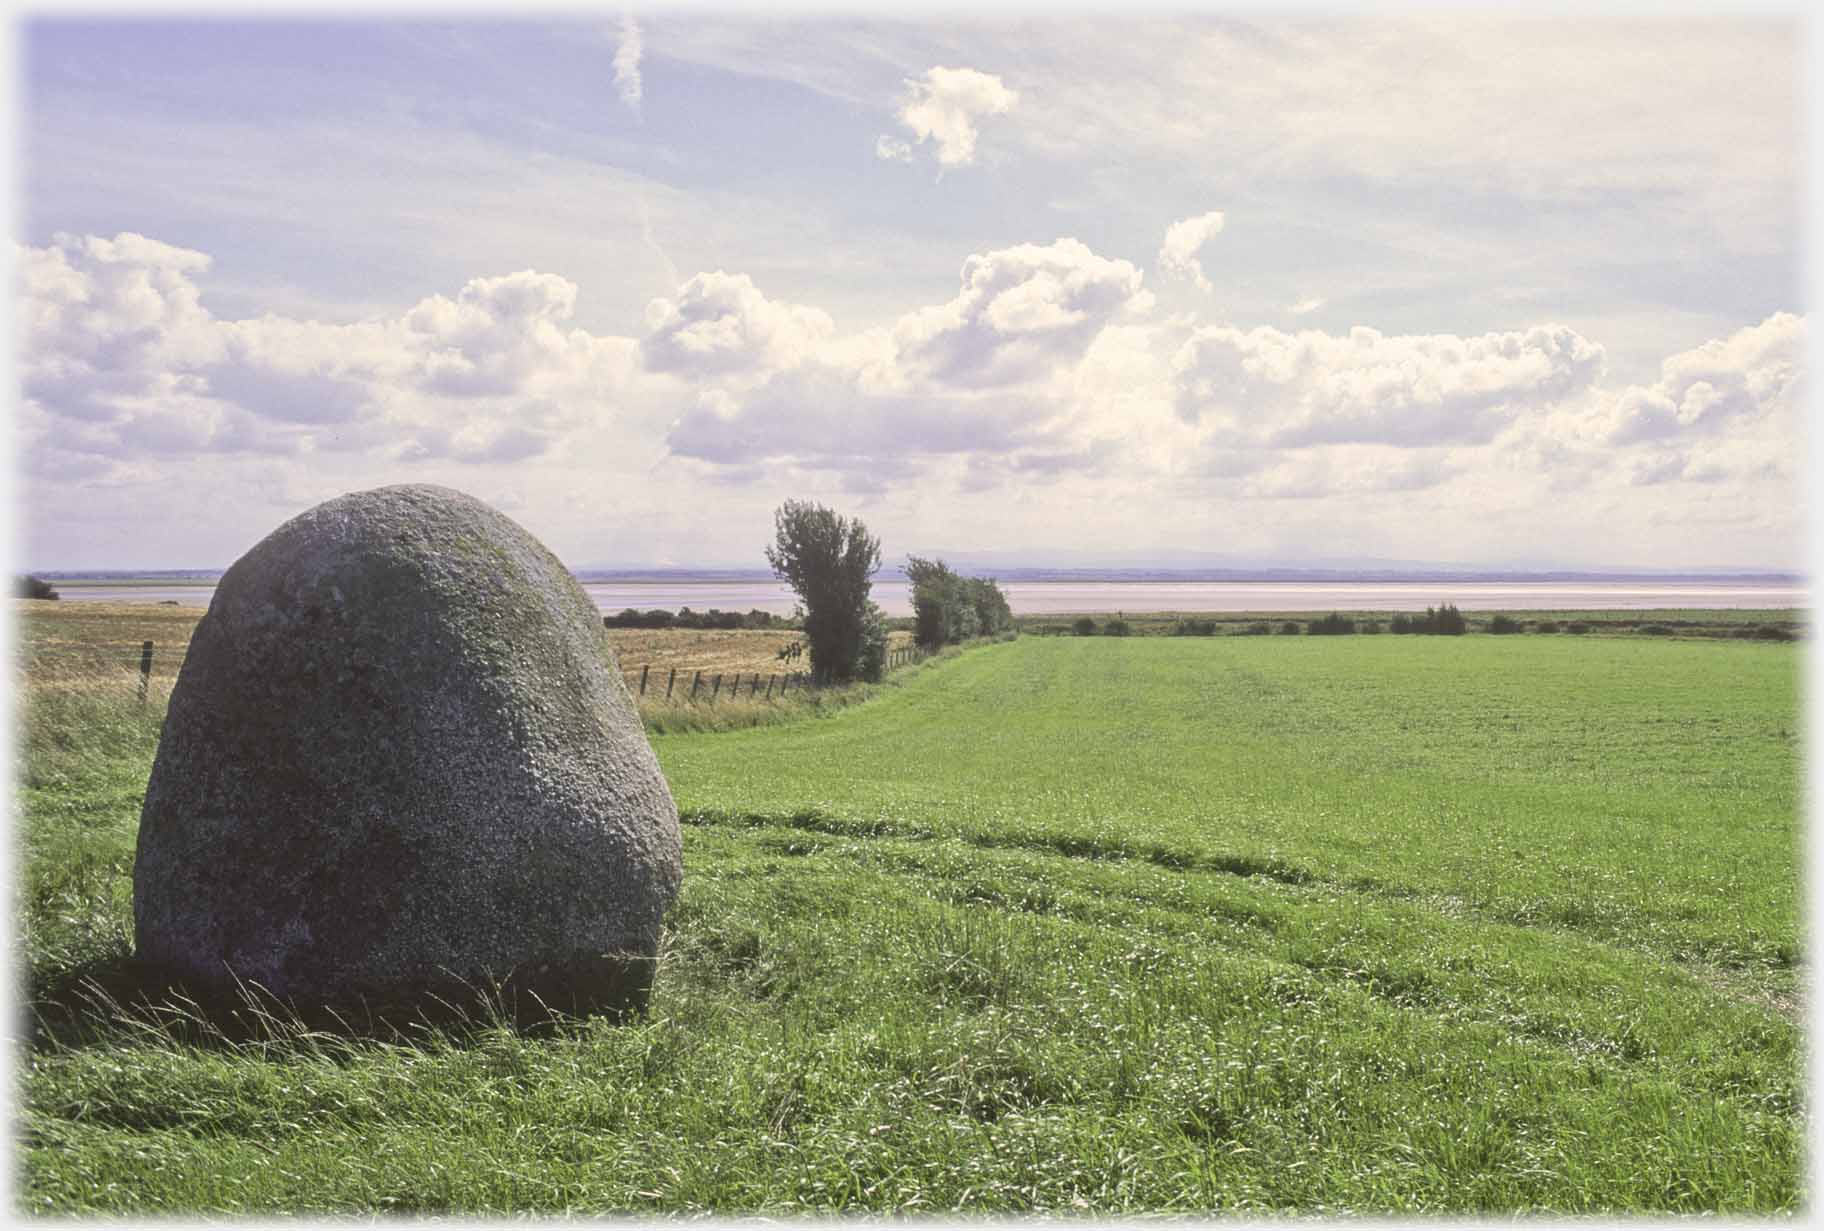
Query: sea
1128	594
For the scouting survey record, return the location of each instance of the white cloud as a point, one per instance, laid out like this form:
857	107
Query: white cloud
1713	388
627	63
823	414
1183	239
720	324
1045	372
1022	312
1288	390
944	106
109	319
889	149
120	359
978	374
1728	409
1305	306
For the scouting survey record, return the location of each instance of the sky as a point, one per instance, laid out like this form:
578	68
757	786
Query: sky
1183	290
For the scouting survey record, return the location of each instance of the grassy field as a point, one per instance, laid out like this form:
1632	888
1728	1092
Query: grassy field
1389	925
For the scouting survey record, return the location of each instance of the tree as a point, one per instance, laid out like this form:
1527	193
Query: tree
32	587
828	560
949	609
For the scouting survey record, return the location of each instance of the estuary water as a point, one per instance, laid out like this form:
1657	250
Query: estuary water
1060	597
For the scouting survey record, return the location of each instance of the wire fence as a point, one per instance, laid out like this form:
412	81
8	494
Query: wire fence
708	685
135	663
130	662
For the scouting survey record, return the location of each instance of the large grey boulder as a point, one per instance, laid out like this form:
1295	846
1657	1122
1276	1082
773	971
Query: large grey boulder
401	762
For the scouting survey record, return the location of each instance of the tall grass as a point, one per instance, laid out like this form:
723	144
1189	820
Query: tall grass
740	708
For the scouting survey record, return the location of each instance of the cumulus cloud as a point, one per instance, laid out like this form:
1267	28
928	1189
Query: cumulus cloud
120	359
1288	390
943	107
1021	313
1047	366
1707	390
627	63
979	374
890	149
720	324
105	320
1728	409
498	336
1304	306
1183	239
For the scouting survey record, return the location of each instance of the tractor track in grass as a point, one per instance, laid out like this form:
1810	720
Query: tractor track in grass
1071	846
1746	983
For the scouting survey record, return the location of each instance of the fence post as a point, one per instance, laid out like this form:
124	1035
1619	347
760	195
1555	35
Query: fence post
693	685
145	669
769	687
717	688
669	682
755	690
643	671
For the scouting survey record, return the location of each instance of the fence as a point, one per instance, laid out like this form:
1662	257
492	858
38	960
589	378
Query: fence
709	686
94	659
108	657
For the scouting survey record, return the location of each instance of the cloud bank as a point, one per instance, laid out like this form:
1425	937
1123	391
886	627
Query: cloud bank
121	359
1280	390
1048	365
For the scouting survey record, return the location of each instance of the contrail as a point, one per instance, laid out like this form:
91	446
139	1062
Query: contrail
652	241
627	62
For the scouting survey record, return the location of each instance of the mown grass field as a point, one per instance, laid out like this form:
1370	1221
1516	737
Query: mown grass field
1386	925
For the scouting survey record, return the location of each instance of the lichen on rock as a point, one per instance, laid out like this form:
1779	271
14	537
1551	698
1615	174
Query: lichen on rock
400	765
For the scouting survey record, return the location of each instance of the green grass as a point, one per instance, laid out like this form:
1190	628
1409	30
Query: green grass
1388	925
1683	621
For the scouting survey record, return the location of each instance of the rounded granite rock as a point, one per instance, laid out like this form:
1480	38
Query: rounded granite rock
400	765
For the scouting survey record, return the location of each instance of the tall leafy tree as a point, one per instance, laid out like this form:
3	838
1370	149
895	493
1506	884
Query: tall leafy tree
828	560
948	609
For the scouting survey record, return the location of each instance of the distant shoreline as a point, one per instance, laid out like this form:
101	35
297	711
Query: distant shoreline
1055	595
682	577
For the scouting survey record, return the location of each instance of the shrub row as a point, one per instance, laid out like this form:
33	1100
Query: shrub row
686	618
1444	621
948	609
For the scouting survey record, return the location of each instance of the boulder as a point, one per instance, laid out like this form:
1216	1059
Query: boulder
401	765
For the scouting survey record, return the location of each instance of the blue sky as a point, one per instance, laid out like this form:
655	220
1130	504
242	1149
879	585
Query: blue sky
1438	288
